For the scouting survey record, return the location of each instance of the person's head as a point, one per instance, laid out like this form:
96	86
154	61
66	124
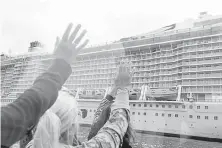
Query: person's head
59	124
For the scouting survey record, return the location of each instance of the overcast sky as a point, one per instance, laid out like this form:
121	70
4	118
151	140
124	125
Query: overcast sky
23	21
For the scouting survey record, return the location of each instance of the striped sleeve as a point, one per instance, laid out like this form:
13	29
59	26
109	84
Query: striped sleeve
101	116
111	134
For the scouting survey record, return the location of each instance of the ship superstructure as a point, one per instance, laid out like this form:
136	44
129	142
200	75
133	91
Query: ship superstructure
180	64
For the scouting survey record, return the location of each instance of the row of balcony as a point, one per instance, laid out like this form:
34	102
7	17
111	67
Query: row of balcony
199	73
213	58
151	65
142	81
198	64
134	59
200	80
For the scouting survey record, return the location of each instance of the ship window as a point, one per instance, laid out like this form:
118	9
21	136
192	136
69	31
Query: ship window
139	105
176	115
183	106
145	105
206	107
169	106
156	114
134	104
163	114
144	113
176	106
190	106
169	115
150	105
215	118
157	105
206	117
198	107
84	92
163	106
198	117
191	116
133	113
138	113
90	110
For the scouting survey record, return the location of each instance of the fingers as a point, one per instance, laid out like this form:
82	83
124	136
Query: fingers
124	67
74	33
76	42
82	45
67	32
56	44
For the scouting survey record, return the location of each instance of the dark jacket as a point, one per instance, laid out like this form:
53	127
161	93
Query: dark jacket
24	112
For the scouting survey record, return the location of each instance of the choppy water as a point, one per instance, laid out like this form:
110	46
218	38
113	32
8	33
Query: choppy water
153	141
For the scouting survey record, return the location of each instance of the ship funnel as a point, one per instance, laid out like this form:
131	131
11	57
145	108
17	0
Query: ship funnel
35	46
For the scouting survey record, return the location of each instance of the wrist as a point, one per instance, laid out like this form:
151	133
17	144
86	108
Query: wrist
112	92
122	99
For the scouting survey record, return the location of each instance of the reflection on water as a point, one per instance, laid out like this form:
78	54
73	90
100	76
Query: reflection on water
152	141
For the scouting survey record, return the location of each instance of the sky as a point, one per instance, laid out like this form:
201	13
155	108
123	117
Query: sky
24	21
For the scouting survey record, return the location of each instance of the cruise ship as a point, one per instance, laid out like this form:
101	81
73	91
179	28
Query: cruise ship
177	87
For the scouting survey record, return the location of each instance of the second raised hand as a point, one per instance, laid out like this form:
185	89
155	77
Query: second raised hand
124	75
69	46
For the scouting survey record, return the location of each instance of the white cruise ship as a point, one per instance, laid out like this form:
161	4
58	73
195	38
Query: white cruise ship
177	89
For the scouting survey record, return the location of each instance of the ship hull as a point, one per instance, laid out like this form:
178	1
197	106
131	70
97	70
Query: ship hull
162	121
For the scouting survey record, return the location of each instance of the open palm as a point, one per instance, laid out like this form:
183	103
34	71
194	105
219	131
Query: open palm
68	47
124	75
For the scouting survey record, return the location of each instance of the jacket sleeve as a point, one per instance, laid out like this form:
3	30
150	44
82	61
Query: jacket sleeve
101	116
24	112
111	134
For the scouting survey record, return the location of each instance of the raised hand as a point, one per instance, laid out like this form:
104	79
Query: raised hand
69	46
124	75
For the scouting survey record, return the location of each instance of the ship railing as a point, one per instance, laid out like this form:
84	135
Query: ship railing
154	34
210	100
